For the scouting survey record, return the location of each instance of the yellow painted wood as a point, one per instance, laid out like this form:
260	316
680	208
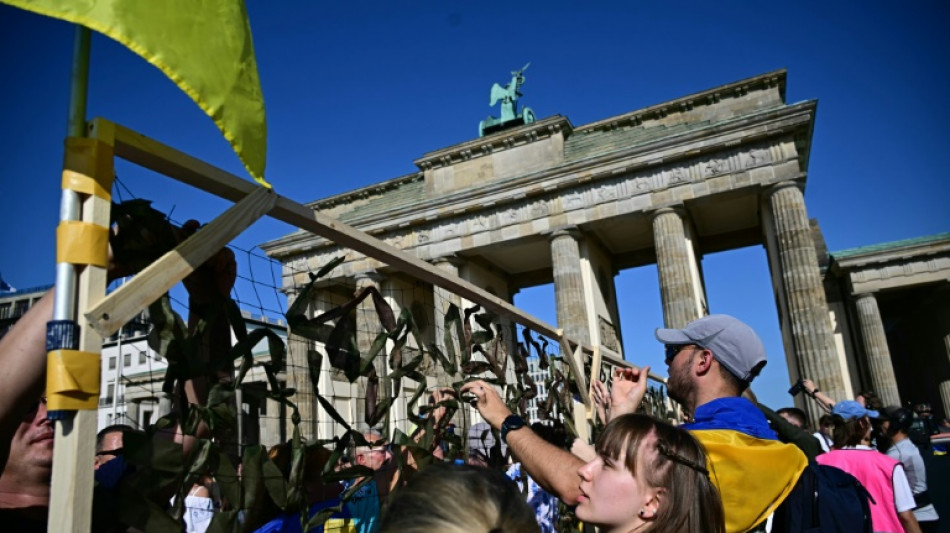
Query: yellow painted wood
75	438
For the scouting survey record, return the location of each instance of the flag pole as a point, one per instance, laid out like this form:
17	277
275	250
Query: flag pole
64	303
75	430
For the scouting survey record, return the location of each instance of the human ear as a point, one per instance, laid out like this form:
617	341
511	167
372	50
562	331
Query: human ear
704	361
654	501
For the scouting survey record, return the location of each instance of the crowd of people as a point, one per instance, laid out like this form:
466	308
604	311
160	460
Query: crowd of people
729	468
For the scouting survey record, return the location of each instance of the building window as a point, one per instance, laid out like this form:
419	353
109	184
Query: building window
142	357
127	360
110	391
112	363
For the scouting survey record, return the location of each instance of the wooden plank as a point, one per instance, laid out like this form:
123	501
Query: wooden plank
581	422
161	158
594	373
75	437
623	363
573	358
108	315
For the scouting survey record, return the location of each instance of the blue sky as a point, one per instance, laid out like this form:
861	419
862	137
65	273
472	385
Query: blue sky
355	91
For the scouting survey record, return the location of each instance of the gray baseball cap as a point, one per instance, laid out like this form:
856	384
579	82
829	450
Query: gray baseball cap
733	343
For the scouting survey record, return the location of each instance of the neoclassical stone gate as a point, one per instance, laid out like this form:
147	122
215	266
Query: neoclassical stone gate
550	202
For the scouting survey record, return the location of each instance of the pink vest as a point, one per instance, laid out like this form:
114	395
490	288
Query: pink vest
875	471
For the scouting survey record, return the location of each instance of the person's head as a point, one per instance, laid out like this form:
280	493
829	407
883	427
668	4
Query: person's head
826	424
375	455
713	357
452	498
109	443
924	410
852	423
870	400
898	422
650	475
794	416
29	465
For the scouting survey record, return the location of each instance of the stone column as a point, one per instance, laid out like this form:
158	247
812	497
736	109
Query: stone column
945	386
131	414
272	423
674	264
875	349
442	299
792	253
298	372
569	284
367	319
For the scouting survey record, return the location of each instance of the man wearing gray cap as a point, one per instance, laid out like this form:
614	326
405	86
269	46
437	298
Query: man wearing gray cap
711	362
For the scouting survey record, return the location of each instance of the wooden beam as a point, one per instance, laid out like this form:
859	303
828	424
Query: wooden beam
108	315
574	360
149	153
75	436
594	373
606	357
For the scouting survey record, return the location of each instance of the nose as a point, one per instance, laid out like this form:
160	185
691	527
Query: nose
586	472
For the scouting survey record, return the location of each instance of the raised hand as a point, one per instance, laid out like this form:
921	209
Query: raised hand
487	401
601	400
629	385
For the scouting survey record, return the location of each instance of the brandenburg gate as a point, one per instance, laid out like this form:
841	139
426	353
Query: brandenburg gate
550	202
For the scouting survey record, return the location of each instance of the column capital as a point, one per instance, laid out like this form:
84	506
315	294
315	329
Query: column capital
776	187
569	231
678	210
453	259
371	276
863	296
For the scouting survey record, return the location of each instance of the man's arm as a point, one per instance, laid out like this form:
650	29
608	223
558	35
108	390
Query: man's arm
22	369
909	521
904	500
792	434
823	400
551	467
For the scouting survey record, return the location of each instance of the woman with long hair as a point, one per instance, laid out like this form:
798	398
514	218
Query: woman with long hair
648	476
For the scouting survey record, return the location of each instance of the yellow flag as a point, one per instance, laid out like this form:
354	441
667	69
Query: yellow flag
753	475
204	46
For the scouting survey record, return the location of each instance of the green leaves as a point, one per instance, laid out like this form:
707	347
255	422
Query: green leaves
353	335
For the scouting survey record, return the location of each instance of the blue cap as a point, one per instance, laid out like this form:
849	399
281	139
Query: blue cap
849	409
733	343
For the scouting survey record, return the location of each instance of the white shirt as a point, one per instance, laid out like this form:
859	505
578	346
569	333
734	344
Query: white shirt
907	453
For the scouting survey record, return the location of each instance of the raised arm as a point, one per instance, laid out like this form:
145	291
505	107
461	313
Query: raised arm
551	467
823	400
22	369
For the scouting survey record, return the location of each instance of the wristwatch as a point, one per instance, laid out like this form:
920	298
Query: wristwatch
512	423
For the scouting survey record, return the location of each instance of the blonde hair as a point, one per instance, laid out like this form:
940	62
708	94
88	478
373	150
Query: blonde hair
452	498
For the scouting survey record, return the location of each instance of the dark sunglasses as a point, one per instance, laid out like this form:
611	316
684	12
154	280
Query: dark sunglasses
34	408
673	349
117	451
